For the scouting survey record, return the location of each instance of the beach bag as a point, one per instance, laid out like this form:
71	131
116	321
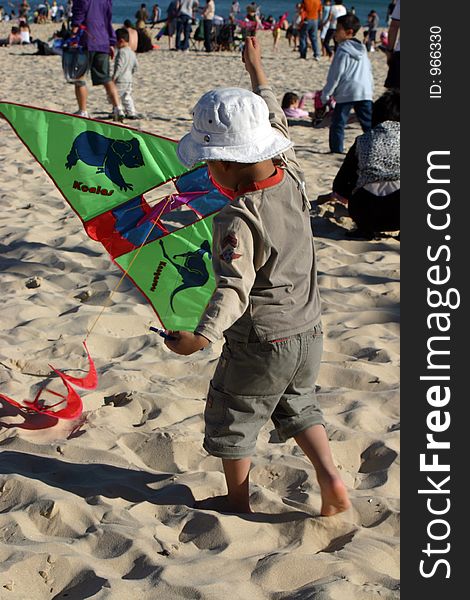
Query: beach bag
74	57
74	63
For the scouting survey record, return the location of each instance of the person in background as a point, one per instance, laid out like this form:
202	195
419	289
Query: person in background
234	11
25	33
293	34
60	13
125	65
13	38
133	35
324	24
368	181
169	28
252	20
337	10
372	26
68	13
23	11
277	31
393	52
293	106
208	13
141	17
94	17
390	9
42	13
183	24
349	80
54	11
312	11
144	40
156	14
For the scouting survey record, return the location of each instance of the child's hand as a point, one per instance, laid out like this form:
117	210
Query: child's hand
186	342
251	57
251	54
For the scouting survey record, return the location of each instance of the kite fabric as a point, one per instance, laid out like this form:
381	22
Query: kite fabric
89	382
102	170
73	408
73	403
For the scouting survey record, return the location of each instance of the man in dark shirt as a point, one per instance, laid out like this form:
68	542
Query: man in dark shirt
94	19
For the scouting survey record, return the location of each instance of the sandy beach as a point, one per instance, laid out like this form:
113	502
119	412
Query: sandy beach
104	508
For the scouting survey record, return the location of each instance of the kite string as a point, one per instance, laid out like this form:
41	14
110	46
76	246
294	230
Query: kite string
108	302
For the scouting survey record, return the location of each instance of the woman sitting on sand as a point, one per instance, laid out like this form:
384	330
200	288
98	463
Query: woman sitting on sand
369	178
25	33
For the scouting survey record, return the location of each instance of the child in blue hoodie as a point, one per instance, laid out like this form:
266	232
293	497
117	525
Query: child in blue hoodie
349	81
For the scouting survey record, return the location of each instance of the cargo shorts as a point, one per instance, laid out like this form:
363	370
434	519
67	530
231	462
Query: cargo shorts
258	381
100	69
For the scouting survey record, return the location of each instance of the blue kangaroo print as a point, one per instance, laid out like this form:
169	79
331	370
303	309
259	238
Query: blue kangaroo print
107	154
193	271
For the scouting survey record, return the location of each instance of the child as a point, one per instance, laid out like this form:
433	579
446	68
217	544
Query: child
293	107
267	302
292	33
371	35
349	80
276	28
125	66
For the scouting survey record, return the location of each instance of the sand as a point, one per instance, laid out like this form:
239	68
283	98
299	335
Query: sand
104	507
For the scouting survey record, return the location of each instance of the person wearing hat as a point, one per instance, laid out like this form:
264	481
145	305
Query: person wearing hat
266	303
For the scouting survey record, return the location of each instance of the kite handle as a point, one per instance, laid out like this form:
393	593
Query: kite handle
163	333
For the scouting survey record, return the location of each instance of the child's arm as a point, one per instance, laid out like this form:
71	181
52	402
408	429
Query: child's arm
235	259
305	97
335	74
260	84
118	66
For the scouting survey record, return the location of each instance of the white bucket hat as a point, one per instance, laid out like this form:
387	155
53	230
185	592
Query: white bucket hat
231	124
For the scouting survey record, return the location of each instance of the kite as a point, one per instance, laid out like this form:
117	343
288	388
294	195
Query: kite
73	403
103	171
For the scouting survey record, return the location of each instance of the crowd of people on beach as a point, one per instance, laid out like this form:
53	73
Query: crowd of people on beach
42	12
88	42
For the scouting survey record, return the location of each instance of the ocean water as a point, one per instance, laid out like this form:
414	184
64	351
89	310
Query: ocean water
124	9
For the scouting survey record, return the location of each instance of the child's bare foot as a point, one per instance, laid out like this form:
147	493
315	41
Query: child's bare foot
224	504
334	496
